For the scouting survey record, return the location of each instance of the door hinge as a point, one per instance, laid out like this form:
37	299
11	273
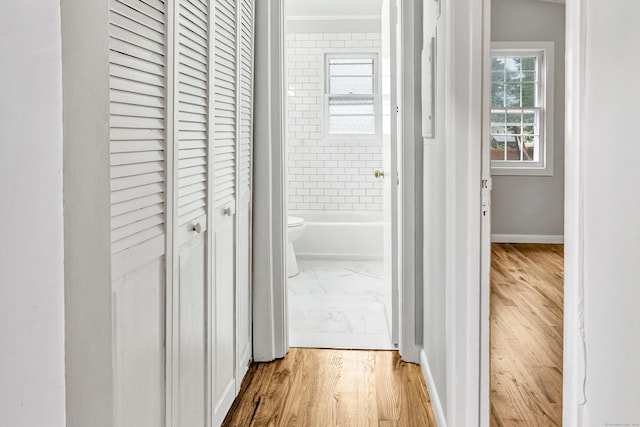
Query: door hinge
486	184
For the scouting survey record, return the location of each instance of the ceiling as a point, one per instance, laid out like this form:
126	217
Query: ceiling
333	7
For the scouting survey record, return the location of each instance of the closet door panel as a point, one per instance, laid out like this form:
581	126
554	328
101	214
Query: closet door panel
138	332
244	166
224	373
225	148
191	162
192	339
137	103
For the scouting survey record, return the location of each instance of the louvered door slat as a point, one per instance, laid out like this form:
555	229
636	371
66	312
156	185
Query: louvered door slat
193	101
246	93
122	9
137	69
225	103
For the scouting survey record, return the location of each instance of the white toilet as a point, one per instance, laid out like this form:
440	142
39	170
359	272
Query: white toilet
295	228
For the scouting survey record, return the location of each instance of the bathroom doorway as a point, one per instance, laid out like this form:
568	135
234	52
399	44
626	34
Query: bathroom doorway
341	168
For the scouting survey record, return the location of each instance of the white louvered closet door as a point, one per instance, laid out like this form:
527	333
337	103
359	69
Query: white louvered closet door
244	213
225	149
191	161
138	94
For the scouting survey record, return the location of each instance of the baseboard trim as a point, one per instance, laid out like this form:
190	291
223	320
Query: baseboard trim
528	238
441	421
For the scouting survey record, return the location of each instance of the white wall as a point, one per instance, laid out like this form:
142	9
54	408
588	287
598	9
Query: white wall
452	212
326	174
532	205
603	173
32	386
434	218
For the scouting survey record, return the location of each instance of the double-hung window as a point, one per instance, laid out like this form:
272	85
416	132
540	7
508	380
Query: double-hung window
522	108
352	105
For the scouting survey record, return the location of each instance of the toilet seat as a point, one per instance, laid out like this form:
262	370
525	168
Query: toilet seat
294	221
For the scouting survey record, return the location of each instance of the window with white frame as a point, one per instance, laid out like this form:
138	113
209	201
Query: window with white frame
352	105
522	108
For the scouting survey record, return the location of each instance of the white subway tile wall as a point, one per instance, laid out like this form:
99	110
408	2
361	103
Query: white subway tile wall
326	174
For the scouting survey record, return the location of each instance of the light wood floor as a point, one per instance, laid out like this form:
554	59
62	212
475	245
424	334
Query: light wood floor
526	335
312	387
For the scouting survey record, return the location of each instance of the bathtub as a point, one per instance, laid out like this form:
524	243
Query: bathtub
340	235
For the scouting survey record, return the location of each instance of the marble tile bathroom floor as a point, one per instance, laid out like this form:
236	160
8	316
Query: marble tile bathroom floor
339	304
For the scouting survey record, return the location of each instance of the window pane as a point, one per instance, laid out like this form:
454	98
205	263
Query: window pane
497	64
351	107
529	76
347	85
529	95
498	149
532	149
529	63
512	64
512	97
498	126
352	69
497	76
513	76
514	119
529	117
497	95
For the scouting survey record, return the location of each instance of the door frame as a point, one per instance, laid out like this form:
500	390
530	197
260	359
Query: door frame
269	273
574	357
485	217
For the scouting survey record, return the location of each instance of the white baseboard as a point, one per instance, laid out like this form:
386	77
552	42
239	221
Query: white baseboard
441	420
528	238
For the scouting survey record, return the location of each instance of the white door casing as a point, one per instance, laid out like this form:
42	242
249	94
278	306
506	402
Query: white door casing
485	213
270	225
390	144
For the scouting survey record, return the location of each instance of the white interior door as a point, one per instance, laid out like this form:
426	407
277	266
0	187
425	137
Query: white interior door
191	153
225	178
244	173
390	134
138	115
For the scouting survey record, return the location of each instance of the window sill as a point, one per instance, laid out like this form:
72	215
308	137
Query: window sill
521	171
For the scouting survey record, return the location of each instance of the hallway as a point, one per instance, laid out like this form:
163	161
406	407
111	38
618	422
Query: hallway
526	334
311	387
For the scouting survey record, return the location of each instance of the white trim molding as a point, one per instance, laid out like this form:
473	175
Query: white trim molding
269	233
434	396
574	350
551	239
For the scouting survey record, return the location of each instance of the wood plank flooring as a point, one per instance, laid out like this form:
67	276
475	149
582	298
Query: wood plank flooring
526	335
313	387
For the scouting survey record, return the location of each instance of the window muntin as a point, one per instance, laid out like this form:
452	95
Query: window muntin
521	84
351	96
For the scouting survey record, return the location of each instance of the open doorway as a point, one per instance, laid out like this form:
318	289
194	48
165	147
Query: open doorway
341	289
524	152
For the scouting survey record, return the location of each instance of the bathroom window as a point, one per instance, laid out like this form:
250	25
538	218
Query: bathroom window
522	108
352	104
